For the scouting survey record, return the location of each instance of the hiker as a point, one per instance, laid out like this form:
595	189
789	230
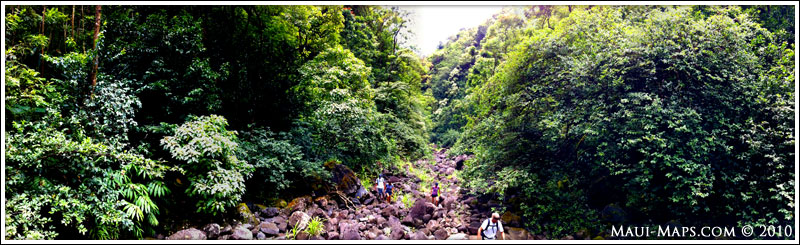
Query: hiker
379	186
490	228
435	194
389	192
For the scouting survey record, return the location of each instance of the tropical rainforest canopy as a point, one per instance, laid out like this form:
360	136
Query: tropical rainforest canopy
121	121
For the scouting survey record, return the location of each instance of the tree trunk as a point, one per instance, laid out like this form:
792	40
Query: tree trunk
72	23
83	45
41	58
95	61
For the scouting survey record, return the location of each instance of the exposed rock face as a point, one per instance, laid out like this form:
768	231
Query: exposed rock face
188	234
510	219
344	178
514	233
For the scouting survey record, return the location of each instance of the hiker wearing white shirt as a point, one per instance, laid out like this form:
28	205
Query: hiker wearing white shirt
379	186
490	228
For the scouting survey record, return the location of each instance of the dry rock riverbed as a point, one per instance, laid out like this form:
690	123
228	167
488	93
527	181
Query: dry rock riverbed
355	214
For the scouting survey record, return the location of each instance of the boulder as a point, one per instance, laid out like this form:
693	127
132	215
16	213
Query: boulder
420	208
224	237
396	229
301	236
333	235
349	230
426	218
407	221
459	236
439	213
381	237
316	237
463	228
511	219
419	235
270	212
514	233
212	230
473	227
297	204
299	220
369	201
241	233
317	212
440	234
280	221
389	211
226	229
321	201
261	236
188	234
344	178
432	225
449	202
269	228
247	216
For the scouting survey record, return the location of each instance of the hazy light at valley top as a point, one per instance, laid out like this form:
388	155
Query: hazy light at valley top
434	24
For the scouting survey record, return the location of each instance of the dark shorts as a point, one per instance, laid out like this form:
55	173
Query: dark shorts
434	195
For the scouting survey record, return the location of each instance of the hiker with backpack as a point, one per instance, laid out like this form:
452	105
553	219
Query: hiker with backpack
379	186
435	194
490	228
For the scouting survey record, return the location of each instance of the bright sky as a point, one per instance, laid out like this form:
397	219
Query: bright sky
434	24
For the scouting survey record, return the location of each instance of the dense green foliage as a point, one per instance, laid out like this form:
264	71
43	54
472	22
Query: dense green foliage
579	117
195	106
663	112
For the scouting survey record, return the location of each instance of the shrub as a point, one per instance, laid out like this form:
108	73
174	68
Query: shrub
277	162
207	153
89	189
315	226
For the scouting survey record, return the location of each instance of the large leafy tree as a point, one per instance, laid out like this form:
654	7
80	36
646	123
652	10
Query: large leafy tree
651	110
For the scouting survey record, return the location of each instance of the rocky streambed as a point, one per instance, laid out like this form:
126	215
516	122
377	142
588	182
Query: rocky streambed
352	212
